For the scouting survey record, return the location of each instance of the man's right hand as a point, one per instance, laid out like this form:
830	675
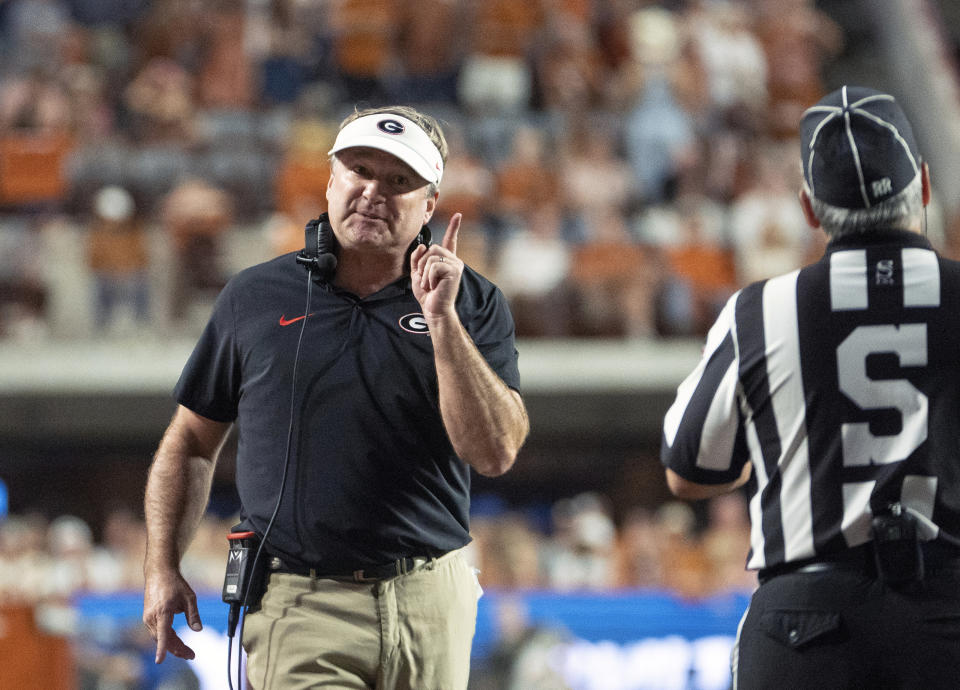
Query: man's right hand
165	595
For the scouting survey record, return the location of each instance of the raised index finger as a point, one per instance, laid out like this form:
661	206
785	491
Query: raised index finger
453	230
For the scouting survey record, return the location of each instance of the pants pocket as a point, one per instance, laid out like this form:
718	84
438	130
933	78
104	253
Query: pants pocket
798	628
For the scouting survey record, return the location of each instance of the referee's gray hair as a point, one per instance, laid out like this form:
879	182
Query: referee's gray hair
900	211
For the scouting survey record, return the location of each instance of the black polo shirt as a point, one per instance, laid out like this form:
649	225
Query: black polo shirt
372	475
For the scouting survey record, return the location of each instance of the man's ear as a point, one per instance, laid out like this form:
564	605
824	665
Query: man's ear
807	207
925	182
431	207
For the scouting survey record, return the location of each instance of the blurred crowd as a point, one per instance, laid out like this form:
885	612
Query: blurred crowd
622	166
574	544
578	544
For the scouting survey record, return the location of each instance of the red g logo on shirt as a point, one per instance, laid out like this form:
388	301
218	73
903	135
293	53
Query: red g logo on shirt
414	323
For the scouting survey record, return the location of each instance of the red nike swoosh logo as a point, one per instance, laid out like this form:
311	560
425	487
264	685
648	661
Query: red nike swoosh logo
284	321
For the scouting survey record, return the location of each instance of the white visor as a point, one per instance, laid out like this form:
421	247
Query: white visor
397	136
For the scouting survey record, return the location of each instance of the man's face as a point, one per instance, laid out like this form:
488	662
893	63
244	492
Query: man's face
376	201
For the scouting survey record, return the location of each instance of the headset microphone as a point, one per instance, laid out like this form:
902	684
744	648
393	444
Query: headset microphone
324	265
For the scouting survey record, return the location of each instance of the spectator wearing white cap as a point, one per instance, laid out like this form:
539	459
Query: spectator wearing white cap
118	255
368	374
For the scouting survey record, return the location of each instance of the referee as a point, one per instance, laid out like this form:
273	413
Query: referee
832	394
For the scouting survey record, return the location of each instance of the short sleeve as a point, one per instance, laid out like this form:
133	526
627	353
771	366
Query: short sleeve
210	382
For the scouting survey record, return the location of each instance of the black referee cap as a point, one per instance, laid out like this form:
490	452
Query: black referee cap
857	148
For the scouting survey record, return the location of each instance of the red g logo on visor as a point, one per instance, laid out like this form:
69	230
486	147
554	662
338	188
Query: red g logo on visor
414	323
390	127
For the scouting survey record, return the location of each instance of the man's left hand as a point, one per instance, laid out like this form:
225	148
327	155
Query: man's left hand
435	273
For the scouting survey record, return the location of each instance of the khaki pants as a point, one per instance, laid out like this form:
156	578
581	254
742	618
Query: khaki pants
411	632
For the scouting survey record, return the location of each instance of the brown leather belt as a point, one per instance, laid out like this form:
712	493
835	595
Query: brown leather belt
373	573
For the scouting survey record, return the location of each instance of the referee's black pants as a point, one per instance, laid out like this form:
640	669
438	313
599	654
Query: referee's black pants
846	629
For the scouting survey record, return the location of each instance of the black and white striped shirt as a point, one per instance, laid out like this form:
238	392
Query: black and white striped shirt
840	382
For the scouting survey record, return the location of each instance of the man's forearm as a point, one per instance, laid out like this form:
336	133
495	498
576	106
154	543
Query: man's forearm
485	419
178	487
175	499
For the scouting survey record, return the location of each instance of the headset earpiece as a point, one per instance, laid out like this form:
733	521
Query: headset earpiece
318	254
423	237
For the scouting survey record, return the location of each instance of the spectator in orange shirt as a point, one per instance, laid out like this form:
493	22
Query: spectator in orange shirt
118	256
195	215
364	45
526	178
616	280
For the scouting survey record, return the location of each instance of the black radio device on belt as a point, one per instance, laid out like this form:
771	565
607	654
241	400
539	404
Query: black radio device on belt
896	546
244	576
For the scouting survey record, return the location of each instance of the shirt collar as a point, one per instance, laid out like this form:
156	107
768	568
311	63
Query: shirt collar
876	237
